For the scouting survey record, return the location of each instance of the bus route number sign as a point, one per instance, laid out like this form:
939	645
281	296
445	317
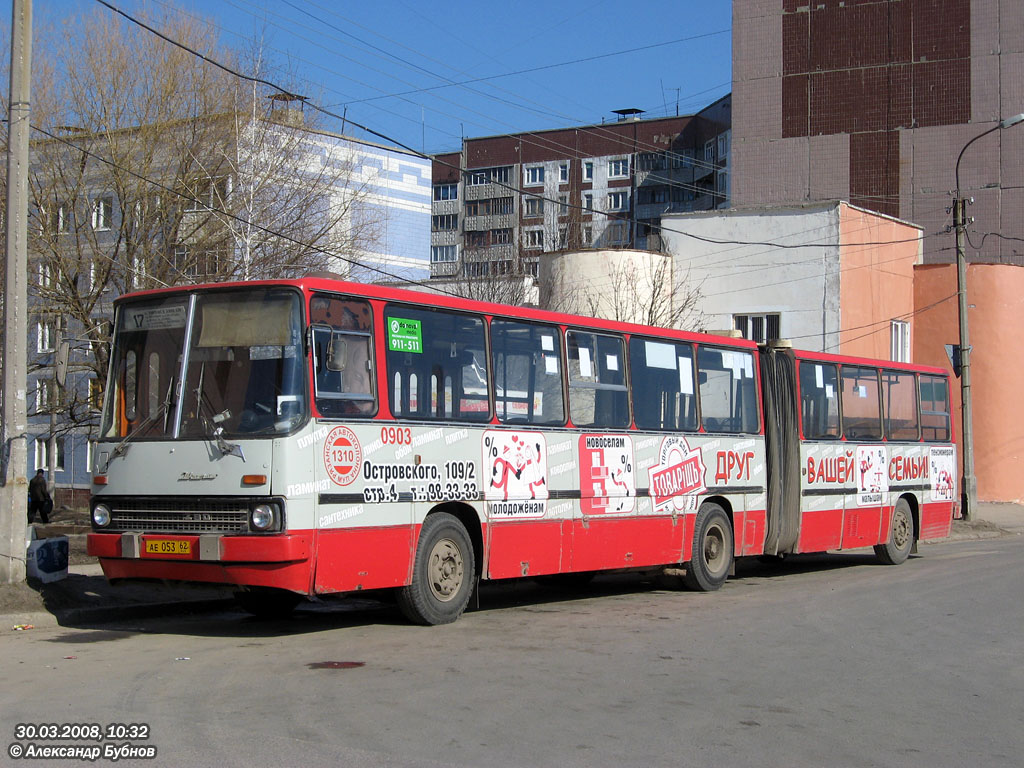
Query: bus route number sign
404	335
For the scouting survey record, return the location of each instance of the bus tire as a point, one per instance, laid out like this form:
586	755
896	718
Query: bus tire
711	560
901	536
267	603
443	573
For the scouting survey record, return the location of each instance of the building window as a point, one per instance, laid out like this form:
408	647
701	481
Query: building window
43	453
563	173
722	183
480	176
58	220
563	205
476	240
618	168
723	147
709	151
588	201
446	192
533	175
653	195
442	254
444	223
44	395
588	235
563	236
43	275
45	335
501	236
95	395
477	269
533	238
617	233
102	209
900	341
618	201
533	207
760	328
651	161
588	170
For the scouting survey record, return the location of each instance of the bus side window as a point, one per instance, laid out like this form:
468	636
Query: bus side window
441	356
342	356
860	403
934	409
663	391
899	396
527	365
728	390
819	400
597	380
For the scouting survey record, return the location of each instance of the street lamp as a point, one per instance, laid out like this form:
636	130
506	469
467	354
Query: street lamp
969	483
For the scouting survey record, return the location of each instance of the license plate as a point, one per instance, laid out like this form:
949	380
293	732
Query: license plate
168	547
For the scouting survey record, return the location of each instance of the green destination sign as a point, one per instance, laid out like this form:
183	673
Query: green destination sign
404	335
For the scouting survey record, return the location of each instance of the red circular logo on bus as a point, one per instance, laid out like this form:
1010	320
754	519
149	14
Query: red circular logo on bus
342	455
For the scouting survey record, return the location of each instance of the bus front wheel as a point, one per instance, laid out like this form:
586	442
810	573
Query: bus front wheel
711	562
901	536
443	573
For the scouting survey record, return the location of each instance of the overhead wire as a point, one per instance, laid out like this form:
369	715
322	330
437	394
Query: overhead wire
517	190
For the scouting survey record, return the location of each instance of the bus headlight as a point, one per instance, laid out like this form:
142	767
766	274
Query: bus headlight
262	517
101	515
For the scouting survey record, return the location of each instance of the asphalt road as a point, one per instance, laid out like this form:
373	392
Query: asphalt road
826	661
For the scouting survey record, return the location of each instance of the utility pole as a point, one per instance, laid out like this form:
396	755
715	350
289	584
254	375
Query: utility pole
54	402
969	482
14	494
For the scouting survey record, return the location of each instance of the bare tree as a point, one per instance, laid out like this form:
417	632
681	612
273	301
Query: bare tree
153	168
628	286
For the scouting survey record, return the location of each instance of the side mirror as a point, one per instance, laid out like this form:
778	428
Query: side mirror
337	353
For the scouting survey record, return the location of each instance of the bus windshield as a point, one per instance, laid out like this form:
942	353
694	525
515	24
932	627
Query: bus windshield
243	366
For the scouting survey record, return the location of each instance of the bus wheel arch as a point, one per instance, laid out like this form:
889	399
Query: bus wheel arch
903	533
443	572
470	520
714	541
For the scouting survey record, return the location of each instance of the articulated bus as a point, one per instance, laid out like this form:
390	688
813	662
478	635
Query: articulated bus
310	437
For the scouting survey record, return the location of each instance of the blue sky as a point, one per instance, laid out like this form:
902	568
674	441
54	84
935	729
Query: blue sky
383	62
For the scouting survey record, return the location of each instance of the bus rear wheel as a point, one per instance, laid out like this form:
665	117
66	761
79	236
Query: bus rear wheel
711	562
901	536
443	573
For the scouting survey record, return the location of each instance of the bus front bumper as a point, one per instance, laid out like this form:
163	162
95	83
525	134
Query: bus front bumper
279	560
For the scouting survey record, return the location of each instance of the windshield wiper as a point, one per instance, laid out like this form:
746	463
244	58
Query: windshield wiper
164	409
225	447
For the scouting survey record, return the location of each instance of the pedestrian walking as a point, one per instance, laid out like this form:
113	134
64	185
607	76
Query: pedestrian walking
39	498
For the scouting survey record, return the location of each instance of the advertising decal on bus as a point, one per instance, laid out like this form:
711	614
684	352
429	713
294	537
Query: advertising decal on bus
678	477
607	485
515	464
342	455
942	460
872	479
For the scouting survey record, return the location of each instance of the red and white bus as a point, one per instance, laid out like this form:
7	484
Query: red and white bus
310	437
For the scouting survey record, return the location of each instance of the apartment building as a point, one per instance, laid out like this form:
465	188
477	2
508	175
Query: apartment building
501	202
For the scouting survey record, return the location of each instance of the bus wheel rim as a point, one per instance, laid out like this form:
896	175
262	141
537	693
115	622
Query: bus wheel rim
446	569
714	549
900	530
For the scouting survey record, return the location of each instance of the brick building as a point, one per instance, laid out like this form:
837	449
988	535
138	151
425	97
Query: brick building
502	201
871	101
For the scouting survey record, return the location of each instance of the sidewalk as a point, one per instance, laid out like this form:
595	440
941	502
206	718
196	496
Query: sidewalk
85	597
